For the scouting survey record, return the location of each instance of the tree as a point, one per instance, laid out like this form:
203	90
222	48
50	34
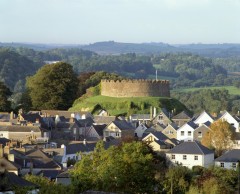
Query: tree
220	137
54	86
126	168
5	104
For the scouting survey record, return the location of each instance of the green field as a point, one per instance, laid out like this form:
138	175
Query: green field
125	106
232	89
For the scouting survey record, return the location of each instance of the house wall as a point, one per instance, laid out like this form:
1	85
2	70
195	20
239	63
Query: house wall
208	160
23	135
4	134
227	117
140	130
203	118
185	137
64	181
170	132
189	162
202	129
227	165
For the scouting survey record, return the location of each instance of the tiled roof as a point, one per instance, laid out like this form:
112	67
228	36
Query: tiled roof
65	113
191	148
32	117
140	117
230	156
99	129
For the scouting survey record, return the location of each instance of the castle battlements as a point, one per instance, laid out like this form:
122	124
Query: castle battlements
135	88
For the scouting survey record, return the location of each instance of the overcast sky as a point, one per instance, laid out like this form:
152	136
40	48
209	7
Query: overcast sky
137	21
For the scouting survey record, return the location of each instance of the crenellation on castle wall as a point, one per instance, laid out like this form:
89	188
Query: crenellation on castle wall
135	88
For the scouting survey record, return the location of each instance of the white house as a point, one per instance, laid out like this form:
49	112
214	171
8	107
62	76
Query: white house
228	160
186	132
203	118
225	116
190	154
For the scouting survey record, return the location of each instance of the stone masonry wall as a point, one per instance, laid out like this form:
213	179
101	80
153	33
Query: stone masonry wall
135	88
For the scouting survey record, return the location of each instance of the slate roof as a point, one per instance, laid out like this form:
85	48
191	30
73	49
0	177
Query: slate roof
12	180
104	119
8	165
32	117
4	140
85	122
182	115
19	128
173	125
140	117
191	124
230	156
123	125
191	148
80	147
50	174
195	117
99	129
64	113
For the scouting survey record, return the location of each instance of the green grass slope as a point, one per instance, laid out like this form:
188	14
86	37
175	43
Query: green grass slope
125	106
231	89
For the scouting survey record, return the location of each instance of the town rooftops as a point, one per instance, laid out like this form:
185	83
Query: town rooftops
230	156
104	119
123	125
191	148
19	128
140	117
80	147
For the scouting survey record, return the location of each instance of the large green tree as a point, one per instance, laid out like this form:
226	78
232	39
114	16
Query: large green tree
54	86
5	104
126	168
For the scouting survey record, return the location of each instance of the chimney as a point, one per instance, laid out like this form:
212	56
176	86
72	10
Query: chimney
37	120
11	157
84	142
154	112
1	151
11	115
7	148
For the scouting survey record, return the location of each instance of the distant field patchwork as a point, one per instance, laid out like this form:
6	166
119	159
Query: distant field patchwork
232	90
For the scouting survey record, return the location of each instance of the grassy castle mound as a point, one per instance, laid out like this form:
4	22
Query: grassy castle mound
94	102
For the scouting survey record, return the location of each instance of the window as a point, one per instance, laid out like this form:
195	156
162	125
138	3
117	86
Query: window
160	117
173	157
182	133
189	133
234	165
199	134
184	157
222	164
195	157
117	134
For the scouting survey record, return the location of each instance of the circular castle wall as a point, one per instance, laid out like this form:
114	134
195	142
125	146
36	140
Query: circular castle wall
135	88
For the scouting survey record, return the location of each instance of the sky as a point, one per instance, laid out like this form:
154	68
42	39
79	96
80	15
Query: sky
135	21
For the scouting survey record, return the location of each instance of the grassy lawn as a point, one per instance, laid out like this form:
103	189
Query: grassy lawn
232	89
124	106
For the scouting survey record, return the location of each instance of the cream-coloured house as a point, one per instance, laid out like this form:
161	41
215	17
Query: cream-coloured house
190	154
226	116
228	160
171	131
119	129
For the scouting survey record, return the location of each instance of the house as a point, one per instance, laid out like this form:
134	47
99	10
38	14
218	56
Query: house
203	118
190	154
72	151
140	129
64	177
226	116
119	129
158	141
33	161
229	159
185	132
163	117
95	131
24	133
11	181
171	130
181	118
137	119
200	131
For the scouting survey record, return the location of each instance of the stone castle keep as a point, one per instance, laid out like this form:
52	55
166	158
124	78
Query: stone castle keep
135	88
